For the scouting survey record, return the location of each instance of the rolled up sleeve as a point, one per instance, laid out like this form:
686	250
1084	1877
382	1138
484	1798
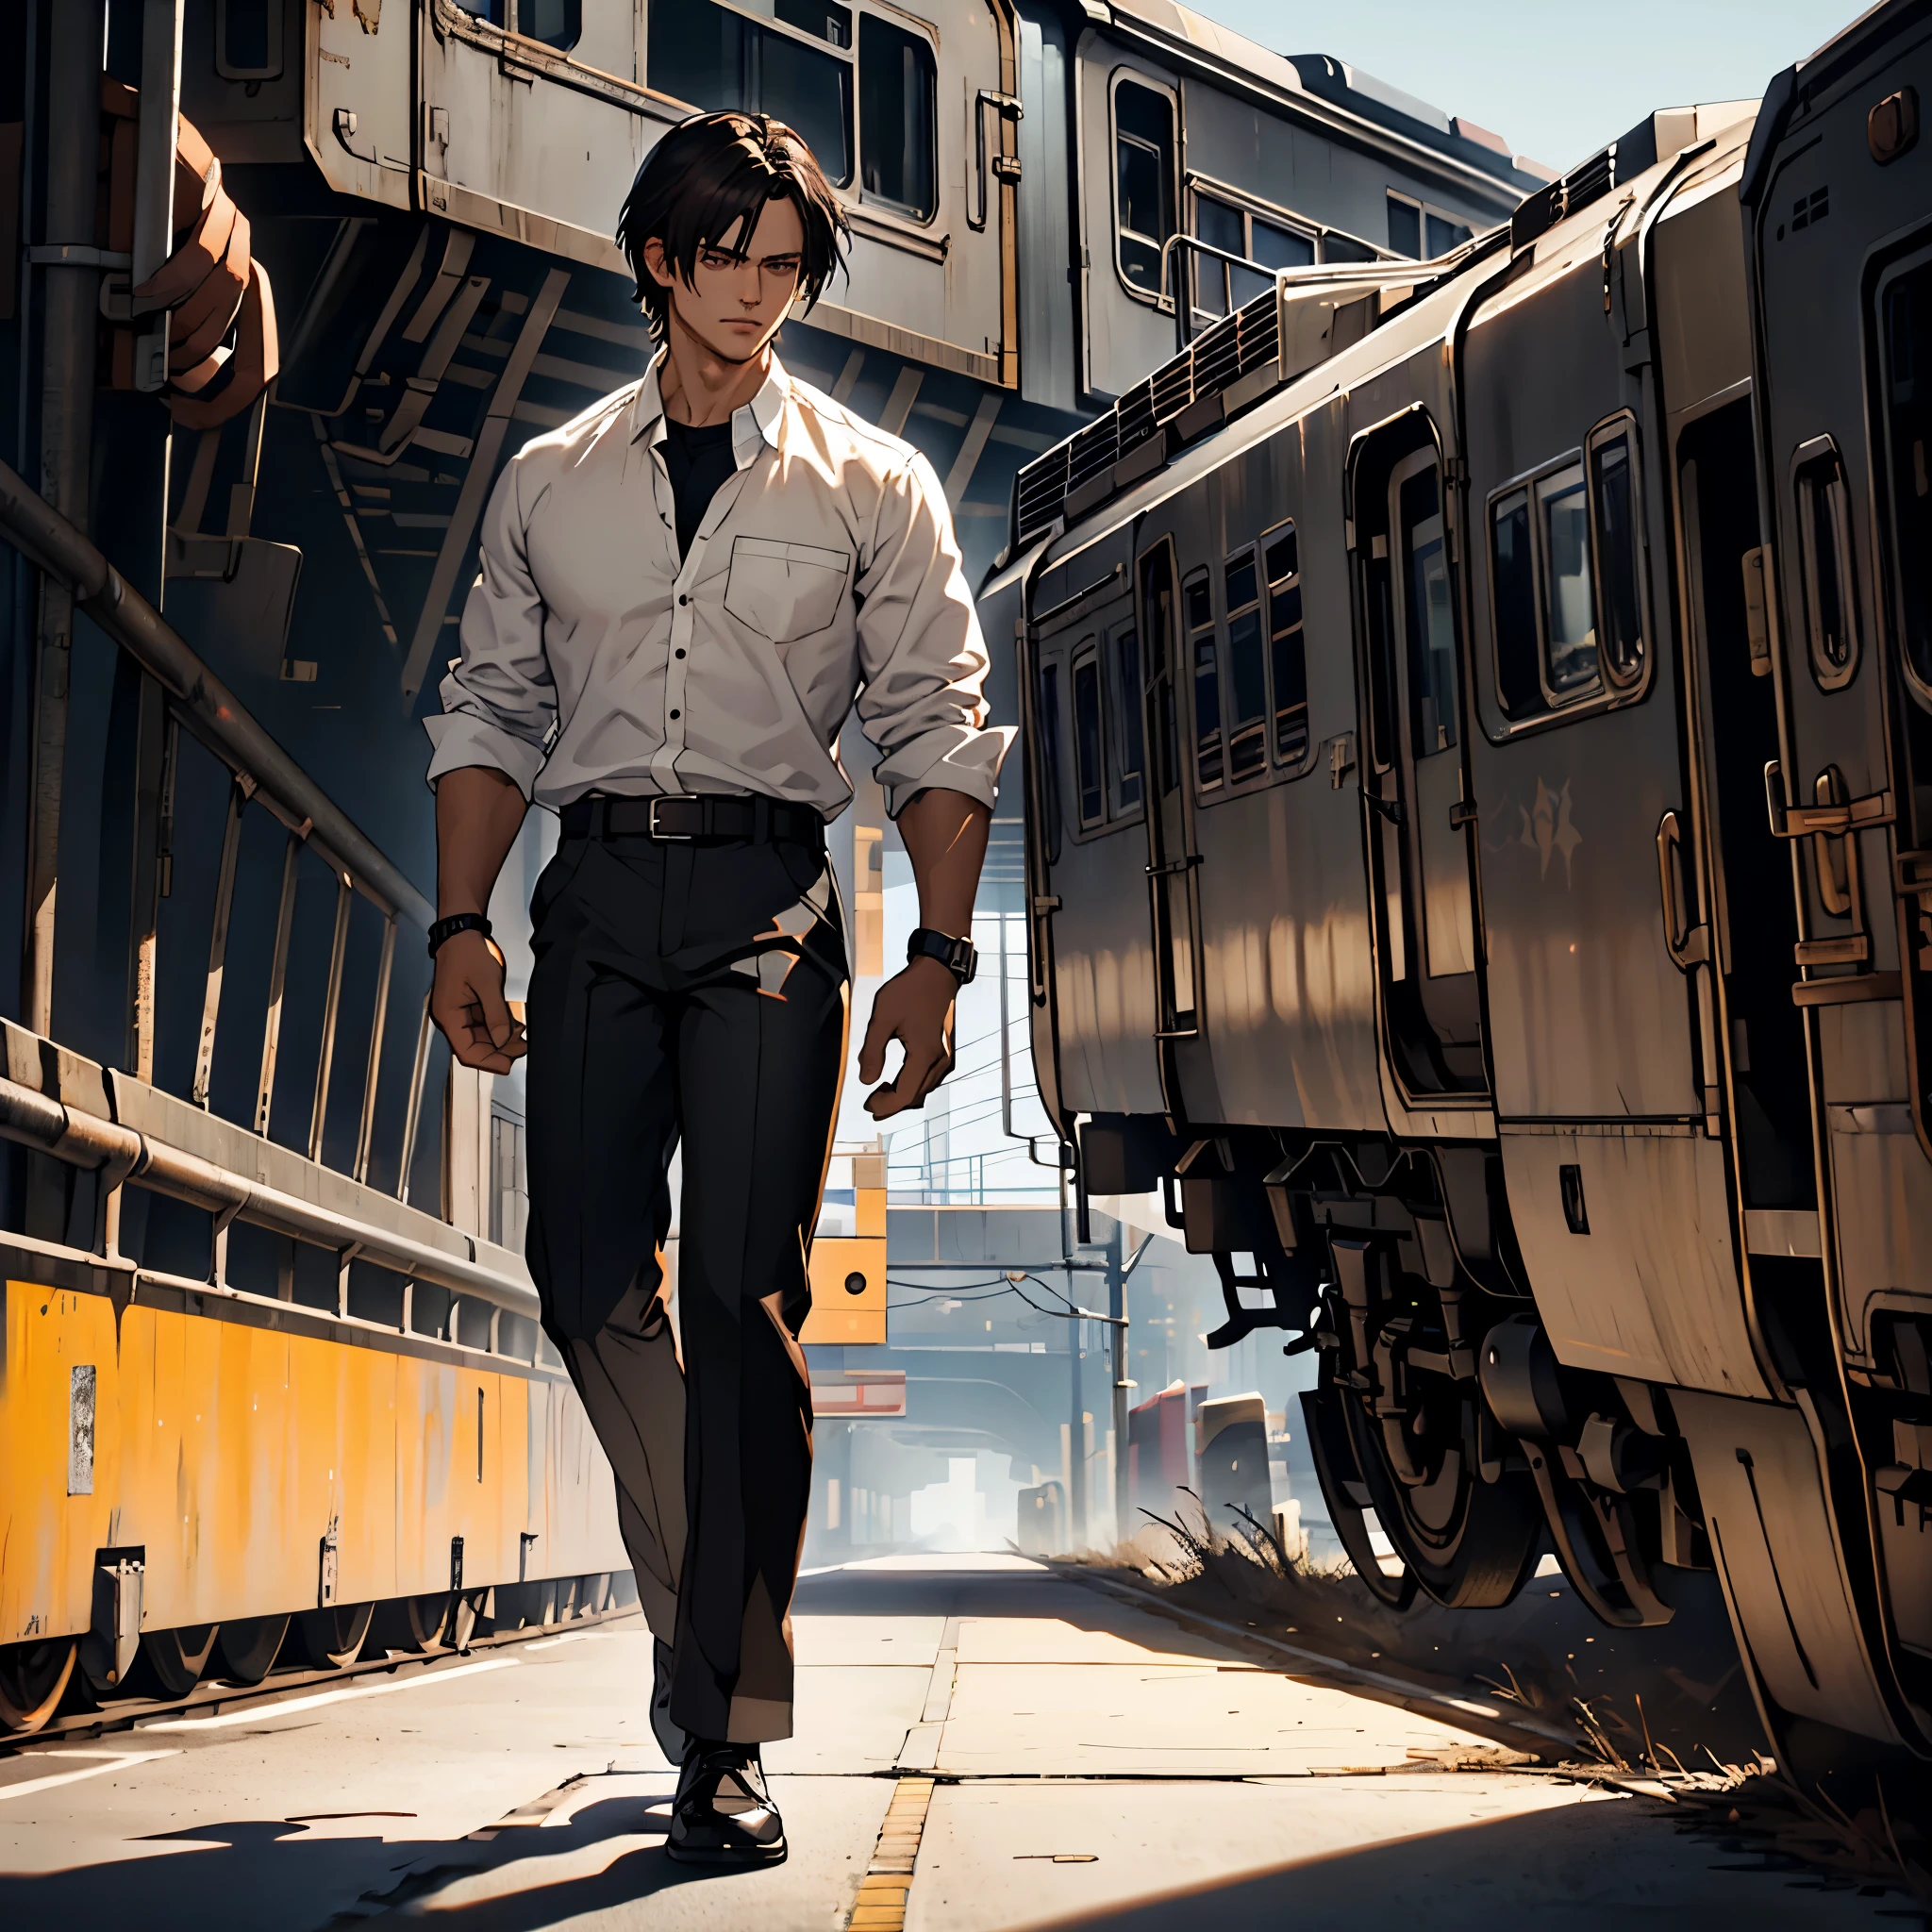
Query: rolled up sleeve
499	700
921	654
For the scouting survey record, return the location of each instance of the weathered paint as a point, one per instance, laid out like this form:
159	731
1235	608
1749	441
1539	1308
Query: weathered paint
230	1451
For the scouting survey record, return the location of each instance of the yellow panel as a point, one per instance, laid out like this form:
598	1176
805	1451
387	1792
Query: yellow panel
836	1314
230	1451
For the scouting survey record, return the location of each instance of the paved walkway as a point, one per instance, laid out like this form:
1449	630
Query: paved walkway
1051	1755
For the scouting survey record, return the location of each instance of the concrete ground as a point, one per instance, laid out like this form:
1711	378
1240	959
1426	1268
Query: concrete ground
1065	1759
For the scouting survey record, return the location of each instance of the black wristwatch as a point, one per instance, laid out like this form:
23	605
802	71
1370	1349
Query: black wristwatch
958	957
458	921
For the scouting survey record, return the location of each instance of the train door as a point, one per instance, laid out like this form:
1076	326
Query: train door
1753	930
1172	855
1413	777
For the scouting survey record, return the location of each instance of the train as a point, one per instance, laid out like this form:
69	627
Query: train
1478	722
295	279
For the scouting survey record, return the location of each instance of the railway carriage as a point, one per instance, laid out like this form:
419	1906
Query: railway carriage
1469	717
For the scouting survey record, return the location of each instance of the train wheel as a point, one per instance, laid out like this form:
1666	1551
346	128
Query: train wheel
463	1617
1466	1525
33	1677
1347	1496
178	1658
414	1623
333	1637
1470	1543
245	1649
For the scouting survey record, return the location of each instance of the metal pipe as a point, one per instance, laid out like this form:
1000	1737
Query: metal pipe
419	1074
218	945
154	176
69	320
217	716
331	1008
86	1140
277	985
365	1132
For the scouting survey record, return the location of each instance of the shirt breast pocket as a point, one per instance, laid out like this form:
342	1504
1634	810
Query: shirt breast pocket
785	591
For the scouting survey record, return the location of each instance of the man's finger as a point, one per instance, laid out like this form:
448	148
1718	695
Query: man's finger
494	1014
871	1056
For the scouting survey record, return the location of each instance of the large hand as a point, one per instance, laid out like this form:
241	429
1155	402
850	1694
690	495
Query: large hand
467	1001
915	1007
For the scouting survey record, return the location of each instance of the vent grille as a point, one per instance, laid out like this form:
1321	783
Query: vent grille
1237	345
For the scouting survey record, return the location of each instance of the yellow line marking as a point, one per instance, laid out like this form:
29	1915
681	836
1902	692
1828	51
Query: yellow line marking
880	1906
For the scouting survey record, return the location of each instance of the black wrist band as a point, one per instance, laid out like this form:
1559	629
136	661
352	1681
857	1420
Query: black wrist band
957	956
458	921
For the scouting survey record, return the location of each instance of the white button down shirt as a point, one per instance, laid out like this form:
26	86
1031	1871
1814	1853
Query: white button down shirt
824	569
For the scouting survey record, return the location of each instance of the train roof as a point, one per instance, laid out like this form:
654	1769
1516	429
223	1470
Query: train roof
1309	316
1335	83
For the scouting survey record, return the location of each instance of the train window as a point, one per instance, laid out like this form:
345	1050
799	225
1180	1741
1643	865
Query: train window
1512	580
1907	318
1824	563
1247	675
1288	667
716	58
559	24
1221	286
1087	768
1420	232
1568	616
1197	605
898	153
1405	227
1223	226
1049	725
1143	182
1431	626
1619	552
1129	747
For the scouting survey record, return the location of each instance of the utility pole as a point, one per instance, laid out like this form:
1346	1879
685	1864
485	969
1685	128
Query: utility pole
1076	1437
1116	1308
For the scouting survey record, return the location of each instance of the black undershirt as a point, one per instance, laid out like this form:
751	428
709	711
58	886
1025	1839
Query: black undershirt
697	462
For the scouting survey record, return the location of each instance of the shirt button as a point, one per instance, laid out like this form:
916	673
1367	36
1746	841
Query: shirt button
676	715
682	598
679	653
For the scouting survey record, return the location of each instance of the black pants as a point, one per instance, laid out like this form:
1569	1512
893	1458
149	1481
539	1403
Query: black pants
691	995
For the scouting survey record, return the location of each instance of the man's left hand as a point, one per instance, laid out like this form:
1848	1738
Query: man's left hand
915	1007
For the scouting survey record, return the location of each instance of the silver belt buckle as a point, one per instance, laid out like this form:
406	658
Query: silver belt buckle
663	837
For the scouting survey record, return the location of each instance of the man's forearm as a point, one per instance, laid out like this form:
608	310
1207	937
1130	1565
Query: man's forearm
479	814
945	835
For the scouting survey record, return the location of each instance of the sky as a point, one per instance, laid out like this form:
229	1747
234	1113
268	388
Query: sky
1556	81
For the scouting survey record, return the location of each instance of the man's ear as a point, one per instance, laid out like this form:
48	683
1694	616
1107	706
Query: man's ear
657	263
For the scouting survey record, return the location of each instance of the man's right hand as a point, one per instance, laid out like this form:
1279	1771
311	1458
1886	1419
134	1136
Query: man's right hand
467	1001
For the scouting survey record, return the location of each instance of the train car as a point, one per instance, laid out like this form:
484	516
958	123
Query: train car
296	277
1459	840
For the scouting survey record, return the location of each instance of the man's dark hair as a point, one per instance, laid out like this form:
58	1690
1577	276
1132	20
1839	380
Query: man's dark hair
705	185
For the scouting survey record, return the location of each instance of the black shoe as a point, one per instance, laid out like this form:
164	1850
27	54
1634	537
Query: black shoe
723	1814
671	1738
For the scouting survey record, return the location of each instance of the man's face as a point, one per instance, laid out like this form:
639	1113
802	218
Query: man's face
734	306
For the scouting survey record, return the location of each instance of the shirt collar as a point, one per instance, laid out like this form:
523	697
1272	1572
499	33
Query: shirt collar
752	423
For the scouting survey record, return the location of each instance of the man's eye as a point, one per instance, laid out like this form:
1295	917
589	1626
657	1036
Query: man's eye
782	264
716	258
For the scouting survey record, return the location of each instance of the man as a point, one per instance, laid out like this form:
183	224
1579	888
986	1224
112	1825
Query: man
681	592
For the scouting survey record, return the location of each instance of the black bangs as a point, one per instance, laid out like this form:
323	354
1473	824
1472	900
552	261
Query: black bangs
706	184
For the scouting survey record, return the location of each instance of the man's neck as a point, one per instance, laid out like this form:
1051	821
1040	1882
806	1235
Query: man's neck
698	387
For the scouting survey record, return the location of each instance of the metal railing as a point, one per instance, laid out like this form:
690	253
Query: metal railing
261	773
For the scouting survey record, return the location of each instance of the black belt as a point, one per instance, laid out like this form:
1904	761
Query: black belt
688	819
